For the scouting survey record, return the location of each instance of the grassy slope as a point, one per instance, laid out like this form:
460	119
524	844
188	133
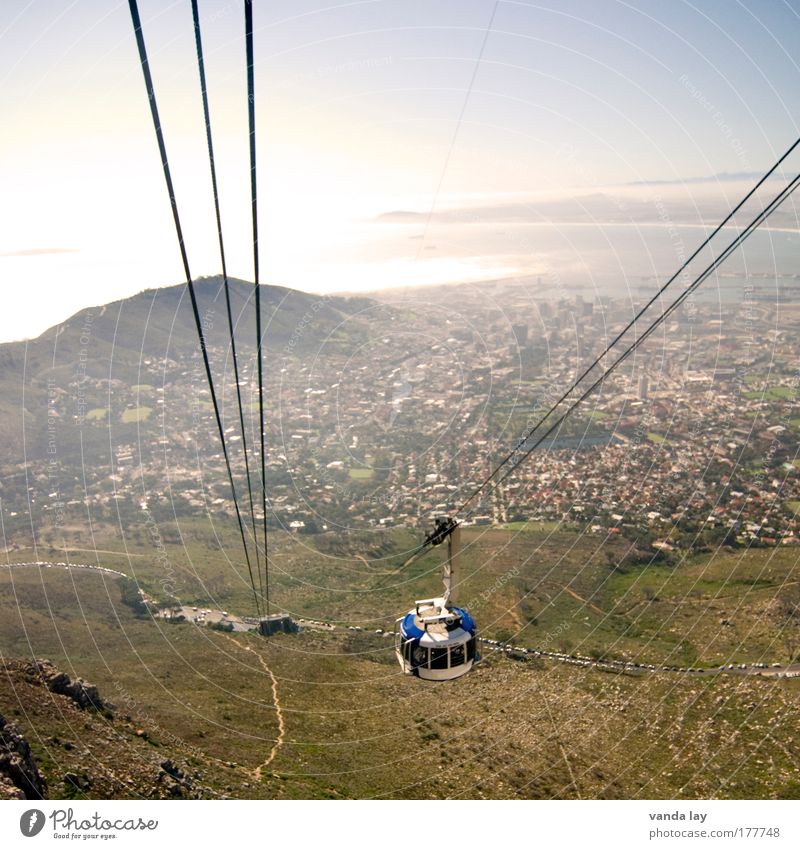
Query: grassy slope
356	727
566	591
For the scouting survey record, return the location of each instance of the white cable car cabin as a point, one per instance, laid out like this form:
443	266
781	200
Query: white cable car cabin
436	640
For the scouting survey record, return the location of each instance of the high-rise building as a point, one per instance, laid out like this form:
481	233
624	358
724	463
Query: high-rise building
521	334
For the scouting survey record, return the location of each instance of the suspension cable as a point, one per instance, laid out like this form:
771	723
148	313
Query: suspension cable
151	96
212	164
251	114
738	240
631	323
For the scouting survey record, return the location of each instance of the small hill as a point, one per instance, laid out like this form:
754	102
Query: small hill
151	338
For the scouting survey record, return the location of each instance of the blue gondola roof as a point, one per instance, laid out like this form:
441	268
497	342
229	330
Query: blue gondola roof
412	631
467	622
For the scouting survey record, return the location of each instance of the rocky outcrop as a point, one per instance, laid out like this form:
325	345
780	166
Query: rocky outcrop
74	781
84	694
19	776
109	758
174	779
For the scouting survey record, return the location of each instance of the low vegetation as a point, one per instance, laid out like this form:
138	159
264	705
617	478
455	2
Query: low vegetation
511	729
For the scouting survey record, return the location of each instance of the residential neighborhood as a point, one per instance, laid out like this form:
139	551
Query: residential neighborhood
692	440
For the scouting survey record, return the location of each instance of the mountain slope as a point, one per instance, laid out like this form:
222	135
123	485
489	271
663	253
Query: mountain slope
151	339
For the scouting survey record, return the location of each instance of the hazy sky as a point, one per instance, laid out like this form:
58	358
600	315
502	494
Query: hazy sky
358	109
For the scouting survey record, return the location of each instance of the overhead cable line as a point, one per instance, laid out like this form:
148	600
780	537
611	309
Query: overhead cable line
467	93
741	237
212	164
251	115
630	324
151	96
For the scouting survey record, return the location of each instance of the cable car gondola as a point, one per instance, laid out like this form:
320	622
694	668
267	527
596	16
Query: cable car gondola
437	640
